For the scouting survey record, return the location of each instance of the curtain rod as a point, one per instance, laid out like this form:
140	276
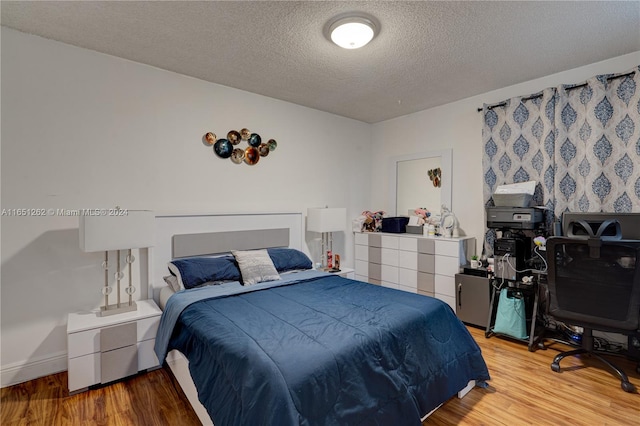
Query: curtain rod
528	98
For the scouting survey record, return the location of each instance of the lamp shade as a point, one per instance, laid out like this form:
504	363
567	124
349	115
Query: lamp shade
326	220
103	233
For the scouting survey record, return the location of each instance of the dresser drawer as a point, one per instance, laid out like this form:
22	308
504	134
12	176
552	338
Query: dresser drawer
449	248
447	265
375	240
408	259
362	268
445	285
374	271
426	262
426	245
362	253
389	274
408	278
389	257
390	242
375	255
408	244
361	239
426	282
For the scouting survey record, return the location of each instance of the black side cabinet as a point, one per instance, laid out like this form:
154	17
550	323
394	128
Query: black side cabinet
473	298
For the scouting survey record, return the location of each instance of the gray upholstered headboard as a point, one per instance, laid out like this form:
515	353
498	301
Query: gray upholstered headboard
186	245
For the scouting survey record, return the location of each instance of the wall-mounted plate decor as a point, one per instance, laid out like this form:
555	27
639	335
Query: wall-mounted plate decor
255	140
237	155
210	138
251	156
263	149
234	137
228	148
223	148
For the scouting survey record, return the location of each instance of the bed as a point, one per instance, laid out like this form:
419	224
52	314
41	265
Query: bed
309	347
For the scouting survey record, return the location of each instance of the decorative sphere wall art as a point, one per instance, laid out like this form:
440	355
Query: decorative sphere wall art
229	147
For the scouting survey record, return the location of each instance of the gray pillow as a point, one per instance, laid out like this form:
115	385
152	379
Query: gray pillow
255	266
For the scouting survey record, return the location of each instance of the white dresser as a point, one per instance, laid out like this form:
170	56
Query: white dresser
410	262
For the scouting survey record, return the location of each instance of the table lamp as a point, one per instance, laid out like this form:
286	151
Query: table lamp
325	221
124	230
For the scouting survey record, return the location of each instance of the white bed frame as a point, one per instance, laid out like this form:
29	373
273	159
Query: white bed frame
167	226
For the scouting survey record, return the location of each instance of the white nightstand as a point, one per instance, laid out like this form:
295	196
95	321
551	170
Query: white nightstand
104	349
347	273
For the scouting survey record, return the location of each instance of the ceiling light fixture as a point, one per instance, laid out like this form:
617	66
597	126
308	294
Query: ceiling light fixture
352	31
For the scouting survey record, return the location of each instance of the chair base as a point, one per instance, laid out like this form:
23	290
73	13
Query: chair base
624	379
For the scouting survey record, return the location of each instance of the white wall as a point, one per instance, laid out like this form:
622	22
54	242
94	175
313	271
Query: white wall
82	129
458	126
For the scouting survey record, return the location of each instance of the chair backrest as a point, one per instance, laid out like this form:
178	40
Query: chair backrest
595	288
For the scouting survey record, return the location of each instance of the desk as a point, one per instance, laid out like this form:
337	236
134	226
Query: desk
530	292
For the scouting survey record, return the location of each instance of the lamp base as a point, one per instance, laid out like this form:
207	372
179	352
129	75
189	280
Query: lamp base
114	309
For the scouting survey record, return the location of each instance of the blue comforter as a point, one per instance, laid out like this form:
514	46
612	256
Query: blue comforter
323	351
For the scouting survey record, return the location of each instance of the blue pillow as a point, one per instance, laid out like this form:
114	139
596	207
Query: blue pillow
194	271
287	259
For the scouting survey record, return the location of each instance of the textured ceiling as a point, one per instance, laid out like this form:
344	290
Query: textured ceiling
426	53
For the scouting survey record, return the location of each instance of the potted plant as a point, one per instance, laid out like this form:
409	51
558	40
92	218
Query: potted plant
475	263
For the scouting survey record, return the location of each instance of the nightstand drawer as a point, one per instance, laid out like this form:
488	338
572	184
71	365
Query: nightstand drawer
146	356
118	336
118	363
148	328
84	371
83	343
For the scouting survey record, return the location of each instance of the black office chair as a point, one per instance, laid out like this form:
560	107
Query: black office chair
594	283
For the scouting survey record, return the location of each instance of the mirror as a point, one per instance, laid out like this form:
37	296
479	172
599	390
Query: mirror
412	182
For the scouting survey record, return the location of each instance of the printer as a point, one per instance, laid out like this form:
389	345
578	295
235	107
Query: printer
513	217
511	207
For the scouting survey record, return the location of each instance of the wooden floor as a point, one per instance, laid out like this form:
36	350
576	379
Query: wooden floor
523	391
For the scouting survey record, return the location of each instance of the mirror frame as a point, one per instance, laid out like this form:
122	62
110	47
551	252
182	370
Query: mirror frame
446	164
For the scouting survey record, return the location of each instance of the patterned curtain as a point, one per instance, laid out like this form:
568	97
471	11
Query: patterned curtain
598	149
519	146
580	143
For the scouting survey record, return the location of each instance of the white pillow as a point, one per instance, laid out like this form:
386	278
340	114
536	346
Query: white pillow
172	281
255	266
176	273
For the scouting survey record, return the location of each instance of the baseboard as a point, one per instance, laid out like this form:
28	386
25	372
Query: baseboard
23	371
